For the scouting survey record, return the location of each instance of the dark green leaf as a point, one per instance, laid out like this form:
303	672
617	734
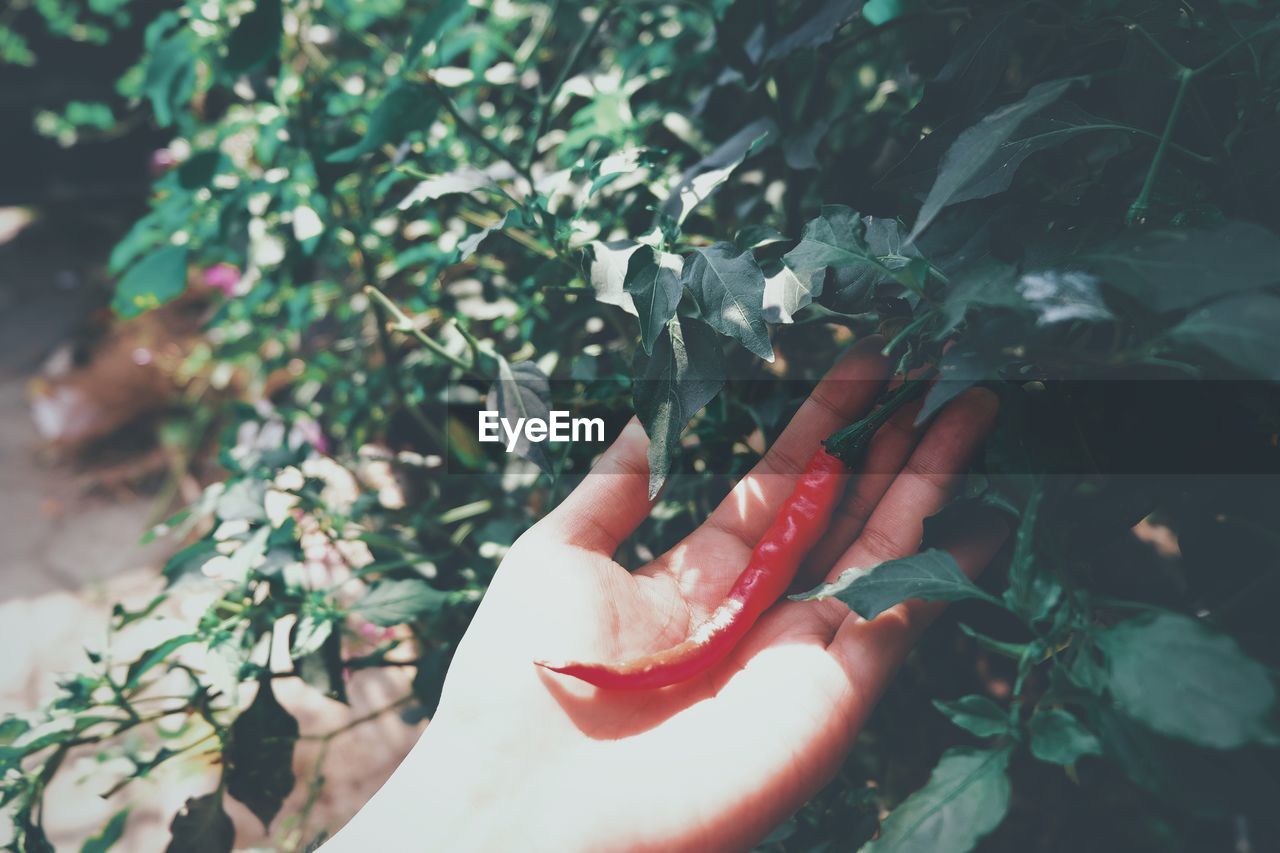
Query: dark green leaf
1182	678
960	368
816	30
522	391
979	56
1014	651
862	251
1240	330
170	74
976	714
259	755
395	602
703	178
12	728
965	798
729	288
405	108
199	169
1059	738
154	657
1056	125
156	279
322	668
468	245
970	162
1198	780
932	575
110	834
467	179
785	293
1032	591
443	16
256	39
202	826
1173	270
653	280
428	680
605	266
682	375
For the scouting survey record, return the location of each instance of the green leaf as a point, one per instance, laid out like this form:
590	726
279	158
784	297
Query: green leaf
605	268
932	575
467	179
960	368
1181	678
428	679
653	280
703	178
1014	651
785	293
862	251
967	169
1056	125
816	30
683	374
442	18
395	602
256	39
405	108
155	656
976	714
170	79
11	728
1194	779
965	798
468	245
729	288
522	391
1059	738
322	667
1240	330
202	826
110	834
1174	270
259	755
156	279
1032	592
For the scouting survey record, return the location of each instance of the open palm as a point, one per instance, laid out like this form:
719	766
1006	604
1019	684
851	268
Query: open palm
519	758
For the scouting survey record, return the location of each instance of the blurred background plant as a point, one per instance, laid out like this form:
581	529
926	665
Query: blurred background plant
368	215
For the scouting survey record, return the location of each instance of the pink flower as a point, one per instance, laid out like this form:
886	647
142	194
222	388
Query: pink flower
308	431
162	160
222	277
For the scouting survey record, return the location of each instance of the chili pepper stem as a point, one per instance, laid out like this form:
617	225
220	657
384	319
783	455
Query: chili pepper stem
850	444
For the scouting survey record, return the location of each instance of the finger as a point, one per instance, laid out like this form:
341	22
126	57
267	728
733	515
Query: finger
888	452
612	500
925	483
848	389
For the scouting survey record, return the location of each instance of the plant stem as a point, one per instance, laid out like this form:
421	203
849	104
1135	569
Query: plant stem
546	102
465	124
1142	204
913	326
404	324
851	443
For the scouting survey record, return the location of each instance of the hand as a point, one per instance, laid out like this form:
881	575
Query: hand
520	758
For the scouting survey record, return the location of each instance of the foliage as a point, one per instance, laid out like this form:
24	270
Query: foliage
646	204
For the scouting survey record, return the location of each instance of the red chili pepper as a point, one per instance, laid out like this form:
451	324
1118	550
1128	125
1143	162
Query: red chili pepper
798	526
